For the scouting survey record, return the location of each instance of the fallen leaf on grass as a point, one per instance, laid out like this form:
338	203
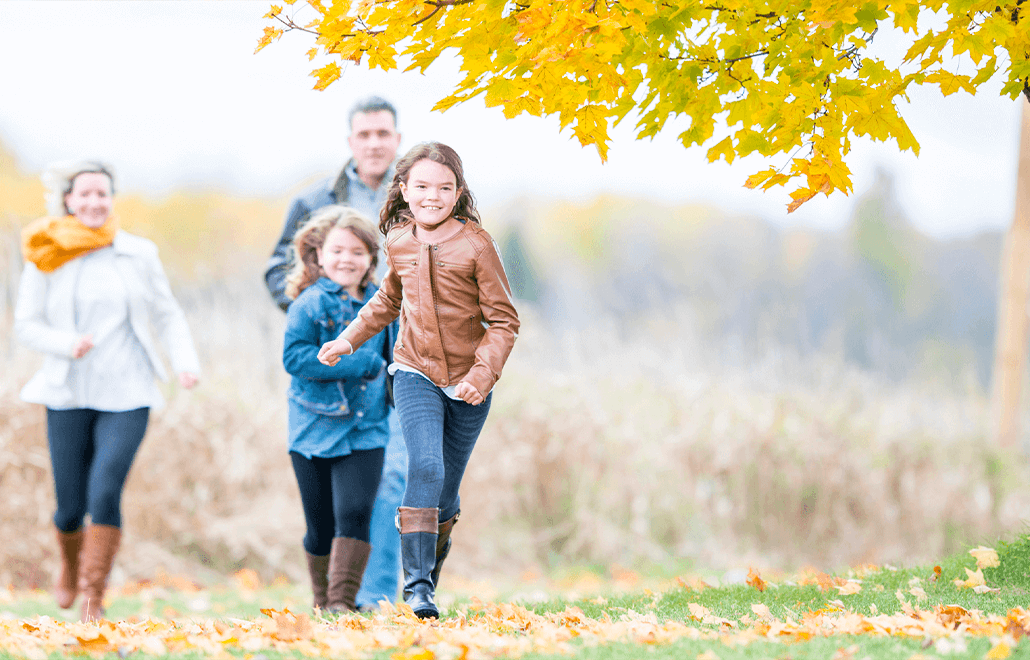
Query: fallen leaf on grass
950	615
999	651
849	588
693	584
985	557
919	593
974	579
697	610
247	579
761	610
755	580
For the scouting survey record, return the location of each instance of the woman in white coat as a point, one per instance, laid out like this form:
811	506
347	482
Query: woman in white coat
87	299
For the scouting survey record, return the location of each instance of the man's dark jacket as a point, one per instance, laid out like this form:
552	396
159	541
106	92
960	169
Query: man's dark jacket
323	193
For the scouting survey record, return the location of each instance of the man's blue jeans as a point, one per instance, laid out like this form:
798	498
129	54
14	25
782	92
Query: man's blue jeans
382	573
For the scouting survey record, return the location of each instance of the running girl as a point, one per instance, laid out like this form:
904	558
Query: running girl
458	325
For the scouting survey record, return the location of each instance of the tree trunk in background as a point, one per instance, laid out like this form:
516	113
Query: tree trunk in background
1010	344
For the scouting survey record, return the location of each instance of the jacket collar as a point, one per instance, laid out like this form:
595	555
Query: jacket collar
329	286
341	187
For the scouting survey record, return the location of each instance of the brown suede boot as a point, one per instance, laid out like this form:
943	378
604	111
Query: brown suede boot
346	566
98	550
318	569
443	545
66	588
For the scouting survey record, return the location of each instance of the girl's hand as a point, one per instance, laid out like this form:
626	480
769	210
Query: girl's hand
188	380
468	393
82	346
331	351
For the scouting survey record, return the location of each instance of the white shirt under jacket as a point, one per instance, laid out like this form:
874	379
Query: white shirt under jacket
115	293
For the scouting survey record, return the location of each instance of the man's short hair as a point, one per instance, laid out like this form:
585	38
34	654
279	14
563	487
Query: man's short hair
370	105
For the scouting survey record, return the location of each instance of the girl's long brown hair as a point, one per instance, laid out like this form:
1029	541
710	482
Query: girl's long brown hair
310	238
396	210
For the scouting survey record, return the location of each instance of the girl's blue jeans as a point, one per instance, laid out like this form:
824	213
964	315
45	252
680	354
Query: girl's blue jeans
440	434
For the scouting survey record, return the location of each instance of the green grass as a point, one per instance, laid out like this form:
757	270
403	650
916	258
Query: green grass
787	599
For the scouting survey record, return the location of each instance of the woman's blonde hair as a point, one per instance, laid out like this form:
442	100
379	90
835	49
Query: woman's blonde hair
310	238
58	178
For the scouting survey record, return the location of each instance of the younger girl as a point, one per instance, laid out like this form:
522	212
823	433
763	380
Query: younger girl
458	325
337	417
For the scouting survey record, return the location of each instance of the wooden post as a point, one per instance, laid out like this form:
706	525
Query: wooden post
1010	344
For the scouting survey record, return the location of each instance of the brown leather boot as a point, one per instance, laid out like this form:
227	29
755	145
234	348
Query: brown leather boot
346	566
66	588
98	550
318	569
443	545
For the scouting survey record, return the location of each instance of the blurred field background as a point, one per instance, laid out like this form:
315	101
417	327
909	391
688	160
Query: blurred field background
691	392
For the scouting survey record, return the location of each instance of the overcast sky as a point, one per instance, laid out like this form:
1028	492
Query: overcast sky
172	94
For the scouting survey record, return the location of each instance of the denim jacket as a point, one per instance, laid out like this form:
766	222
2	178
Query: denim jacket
334	410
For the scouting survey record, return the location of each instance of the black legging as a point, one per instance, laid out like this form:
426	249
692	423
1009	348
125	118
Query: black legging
337	495
91	452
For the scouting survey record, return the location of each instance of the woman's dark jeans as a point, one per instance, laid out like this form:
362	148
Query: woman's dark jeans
91	452
338	495
440	434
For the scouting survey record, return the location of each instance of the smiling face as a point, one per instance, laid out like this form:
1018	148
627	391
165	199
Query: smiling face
90	199
345	259
431	192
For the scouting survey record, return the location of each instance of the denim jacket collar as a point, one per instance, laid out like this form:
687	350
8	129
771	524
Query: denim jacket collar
327	285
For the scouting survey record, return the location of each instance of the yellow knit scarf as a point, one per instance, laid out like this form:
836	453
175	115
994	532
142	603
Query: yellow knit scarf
52	242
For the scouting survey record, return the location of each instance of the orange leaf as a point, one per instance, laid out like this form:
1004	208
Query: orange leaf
800	196
755	580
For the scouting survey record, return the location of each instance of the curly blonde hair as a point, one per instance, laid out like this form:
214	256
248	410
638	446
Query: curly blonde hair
58	179
310	238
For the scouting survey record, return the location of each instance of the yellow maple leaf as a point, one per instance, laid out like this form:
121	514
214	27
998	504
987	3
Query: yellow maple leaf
973	579
985	557
724	149
999	651
850	587
800	196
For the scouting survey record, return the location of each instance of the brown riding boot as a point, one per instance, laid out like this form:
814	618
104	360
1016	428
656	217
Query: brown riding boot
66	587
346	566
98	550
418	528
443	545
318	569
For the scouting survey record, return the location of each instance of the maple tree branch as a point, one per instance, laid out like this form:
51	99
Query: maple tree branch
721	8
290	25
440	4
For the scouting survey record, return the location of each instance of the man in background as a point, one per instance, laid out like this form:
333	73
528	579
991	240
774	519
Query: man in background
361	184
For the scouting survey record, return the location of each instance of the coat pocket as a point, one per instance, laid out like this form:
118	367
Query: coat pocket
321	398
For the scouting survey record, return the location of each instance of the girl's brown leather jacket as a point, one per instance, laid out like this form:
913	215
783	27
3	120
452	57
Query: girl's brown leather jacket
457	318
